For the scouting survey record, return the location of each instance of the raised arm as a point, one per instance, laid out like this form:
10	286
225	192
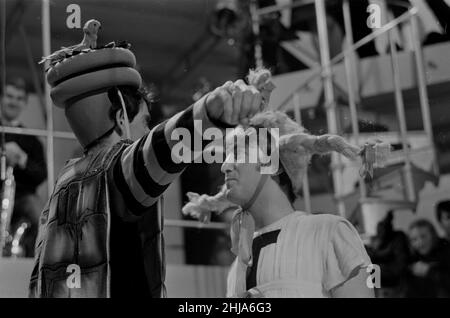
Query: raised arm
147	168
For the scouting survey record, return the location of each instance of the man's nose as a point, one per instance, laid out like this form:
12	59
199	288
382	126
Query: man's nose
228	165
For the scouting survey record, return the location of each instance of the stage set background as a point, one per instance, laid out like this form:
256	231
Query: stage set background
182	280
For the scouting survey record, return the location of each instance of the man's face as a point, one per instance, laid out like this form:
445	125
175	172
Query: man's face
241	174
445	222
241	180
421	240
139	125
14	102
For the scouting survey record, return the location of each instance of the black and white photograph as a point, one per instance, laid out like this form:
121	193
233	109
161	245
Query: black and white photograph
214	151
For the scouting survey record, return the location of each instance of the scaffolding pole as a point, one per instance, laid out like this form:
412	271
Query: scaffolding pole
46	50
255	28
423	93
3	214
330	103
351	74
400	106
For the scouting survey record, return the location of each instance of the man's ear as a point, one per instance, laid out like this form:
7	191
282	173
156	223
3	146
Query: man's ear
120	122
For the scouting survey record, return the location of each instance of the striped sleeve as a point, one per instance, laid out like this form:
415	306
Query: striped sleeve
146	168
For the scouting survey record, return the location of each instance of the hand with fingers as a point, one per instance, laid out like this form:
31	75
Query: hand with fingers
234	103
15	156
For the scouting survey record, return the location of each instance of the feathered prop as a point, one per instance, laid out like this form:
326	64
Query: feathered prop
89	42
374	155
261	79
201	206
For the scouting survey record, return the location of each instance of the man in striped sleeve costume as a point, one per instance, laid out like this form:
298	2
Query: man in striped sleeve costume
101	233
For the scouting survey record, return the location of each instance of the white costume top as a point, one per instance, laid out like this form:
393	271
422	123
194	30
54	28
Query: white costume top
303	255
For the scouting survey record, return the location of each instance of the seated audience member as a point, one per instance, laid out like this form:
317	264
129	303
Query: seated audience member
390	251
429	267
443	216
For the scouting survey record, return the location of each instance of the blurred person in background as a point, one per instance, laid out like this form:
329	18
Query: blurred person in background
25	154
443	217
428	275
390	250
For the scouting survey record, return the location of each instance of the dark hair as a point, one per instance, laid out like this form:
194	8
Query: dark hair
132	97
17	82
388	219
441	208
423	223
282	179
285	184
385	228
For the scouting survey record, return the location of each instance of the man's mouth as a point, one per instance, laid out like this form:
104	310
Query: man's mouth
229	180
10	106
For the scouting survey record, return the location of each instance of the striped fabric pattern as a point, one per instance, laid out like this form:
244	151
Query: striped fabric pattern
145	169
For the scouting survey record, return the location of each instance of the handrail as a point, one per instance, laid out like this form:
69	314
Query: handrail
37	132
276	8
370	37
196	224
393	158
301	3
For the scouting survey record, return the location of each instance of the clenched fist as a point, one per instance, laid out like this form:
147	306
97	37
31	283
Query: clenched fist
233	103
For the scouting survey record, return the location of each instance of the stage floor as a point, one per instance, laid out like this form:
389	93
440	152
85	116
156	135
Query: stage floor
184	281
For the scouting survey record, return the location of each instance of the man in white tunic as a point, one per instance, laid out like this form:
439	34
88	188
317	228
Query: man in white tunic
293	254
282	252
